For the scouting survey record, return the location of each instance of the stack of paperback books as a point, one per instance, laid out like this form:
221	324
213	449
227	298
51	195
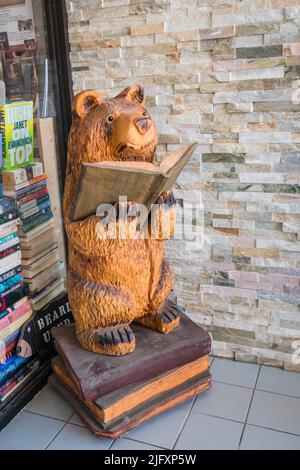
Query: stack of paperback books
15	308
41	265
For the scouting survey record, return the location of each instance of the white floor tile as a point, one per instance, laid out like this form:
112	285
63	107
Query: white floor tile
255	438
276	380
234	373
49	403
29	431
161	430
74	437
277	412
225	401
203	432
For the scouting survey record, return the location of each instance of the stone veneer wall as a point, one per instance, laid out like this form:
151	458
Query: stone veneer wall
222	74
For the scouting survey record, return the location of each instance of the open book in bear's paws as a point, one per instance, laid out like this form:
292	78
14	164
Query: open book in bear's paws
141	182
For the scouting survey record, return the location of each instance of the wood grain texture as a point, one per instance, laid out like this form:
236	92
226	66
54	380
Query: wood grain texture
96	375
161	404
115	404
114	280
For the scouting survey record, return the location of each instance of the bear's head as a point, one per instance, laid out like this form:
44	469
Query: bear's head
114	129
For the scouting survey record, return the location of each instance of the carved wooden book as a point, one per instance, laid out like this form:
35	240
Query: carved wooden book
115	404
96	375
141	182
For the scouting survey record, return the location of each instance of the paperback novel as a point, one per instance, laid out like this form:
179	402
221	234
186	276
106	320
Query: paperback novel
16	126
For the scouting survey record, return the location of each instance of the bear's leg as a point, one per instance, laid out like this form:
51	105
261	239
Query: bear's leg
96	309
164	313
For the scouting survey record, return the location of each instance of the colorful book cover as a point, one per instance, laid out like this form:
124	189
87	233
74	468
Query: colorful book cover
11	282
36	221
0	164
16	125
11	366
8	238
10	273
37	210
7	204
10	251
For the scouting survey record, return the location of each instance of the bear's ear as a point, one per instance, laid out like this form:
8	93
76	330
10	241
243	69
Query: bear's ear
135	94
85	101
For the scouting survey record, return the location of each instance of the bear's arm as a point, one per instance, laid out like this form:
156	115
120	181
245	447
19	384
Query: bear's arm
162	222
86	237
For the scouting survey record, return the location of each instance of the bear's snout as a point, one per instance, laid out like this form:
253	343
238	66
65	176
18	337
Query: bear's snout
143	124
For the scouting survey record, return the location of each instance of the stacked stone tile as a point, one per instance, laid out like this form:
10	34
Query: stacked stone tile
225	74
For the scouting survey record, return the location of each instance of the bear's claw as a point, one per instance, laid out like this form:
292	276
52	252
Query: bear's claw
169	312
120	334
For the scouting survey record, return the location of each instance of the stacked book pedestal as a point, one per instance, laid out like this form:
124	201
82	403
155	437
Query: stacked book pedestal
115	394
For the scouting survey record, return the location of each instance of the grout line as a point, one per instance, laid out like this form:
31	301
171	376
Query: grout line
113	441
277	393
233	385
46	448
141	442
275	430
219	417
250	404
83	425
185	420
45	416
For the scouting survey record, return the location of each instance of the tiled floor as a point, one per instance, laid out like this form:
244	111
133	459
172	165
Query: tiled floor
249	407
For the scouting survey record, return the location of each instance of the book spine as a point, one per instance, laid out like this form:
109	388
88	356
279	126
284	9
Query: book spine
7	231
8	238
27	191
35	194
10	273
8	351
35	211
4	286
10	251
13	307
13	316
7	205
28	184
10	224
37	221
8	216
17	292
21	373
11	262
11	366
13	327
34	203
9	244
22	175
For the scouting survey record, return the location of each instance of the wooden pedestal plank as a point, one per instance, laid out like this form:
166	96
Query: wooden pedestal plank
119	402
96	375
140	414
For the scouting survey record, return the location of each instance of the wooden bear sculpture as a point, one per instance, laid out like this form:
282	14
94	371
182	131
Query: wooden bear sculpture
113	282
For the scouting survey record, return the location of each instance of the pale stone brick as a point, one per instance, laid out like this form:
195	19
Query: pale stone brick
291	49
147	29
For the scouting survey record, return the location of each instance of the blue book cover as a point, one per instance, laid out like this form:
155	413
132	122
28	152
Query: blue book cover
1	165
7	204
10	366
10	282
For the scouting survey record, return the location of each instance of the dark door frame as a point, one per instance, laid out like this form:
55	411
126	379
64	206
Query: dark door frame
59	55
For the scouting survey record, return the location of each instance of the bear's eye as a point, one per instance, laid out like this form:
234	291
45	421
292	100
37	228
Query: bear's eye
110	118
145	113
